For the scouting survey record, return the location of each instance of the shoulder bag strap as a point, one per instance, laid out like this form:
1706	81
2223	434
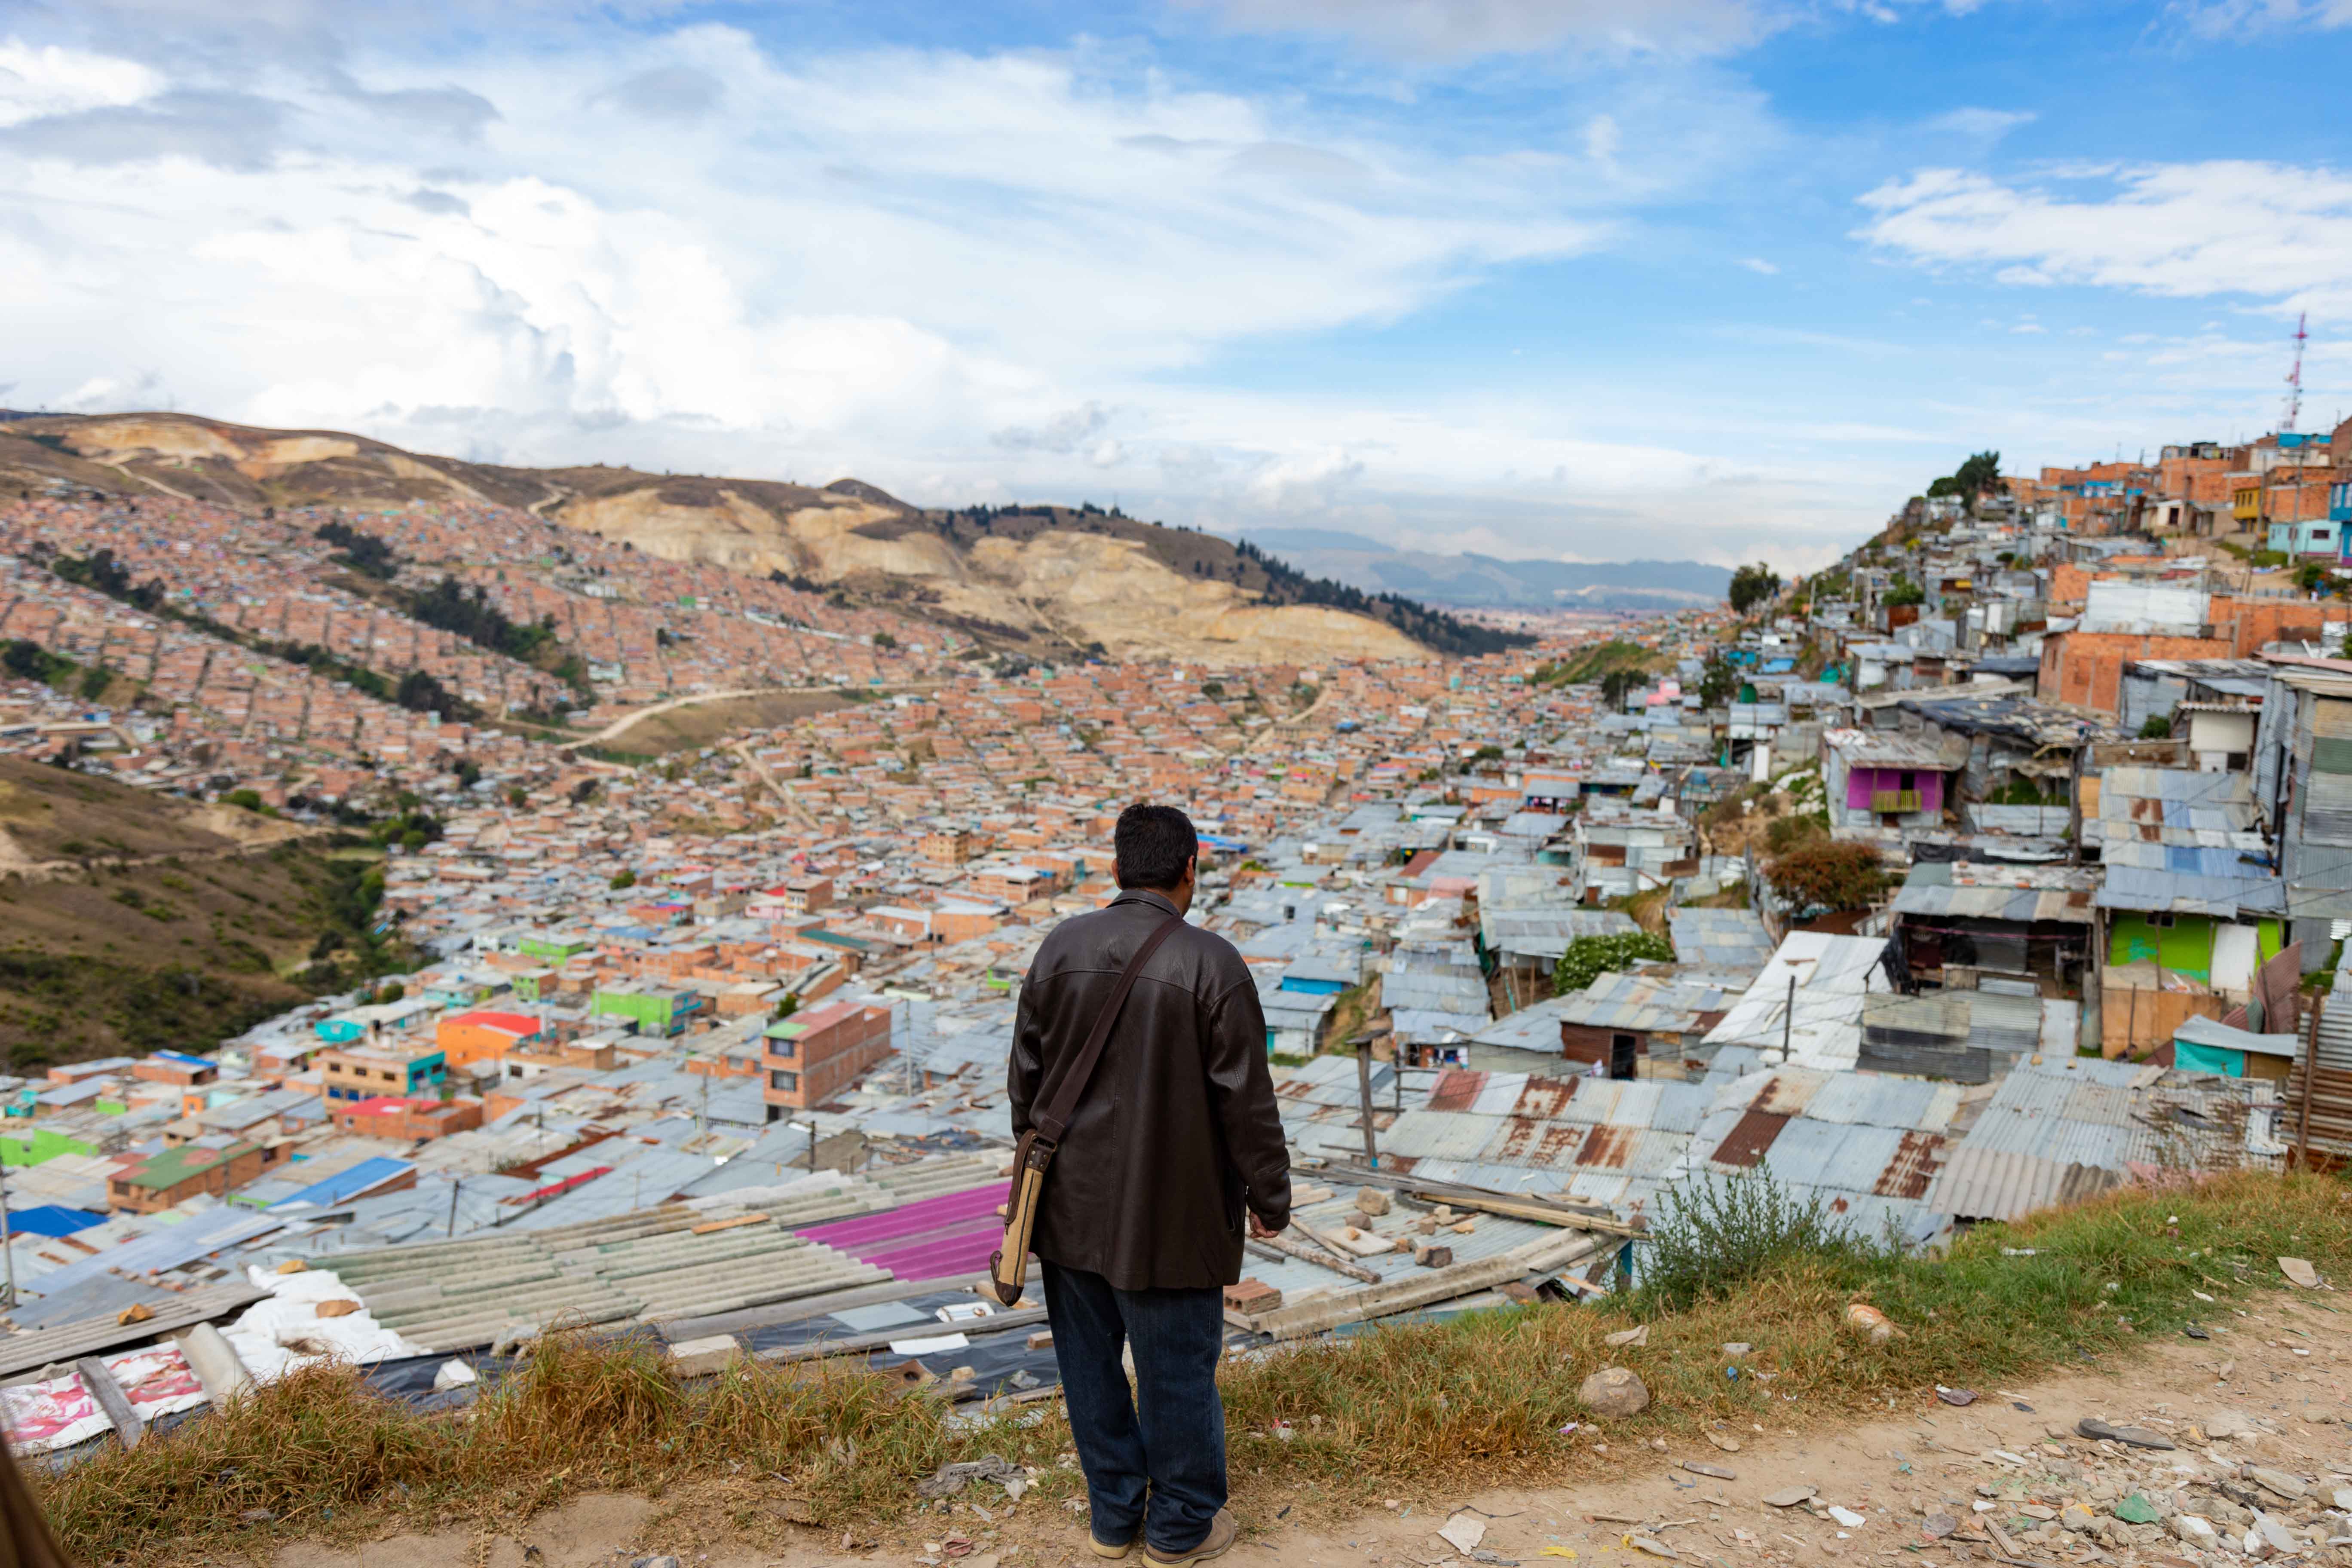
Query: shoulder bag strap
1054	1119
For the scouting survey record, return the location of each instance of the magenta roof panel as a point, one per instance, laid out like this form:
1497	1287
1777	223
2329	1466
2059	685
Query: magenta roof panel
909	1219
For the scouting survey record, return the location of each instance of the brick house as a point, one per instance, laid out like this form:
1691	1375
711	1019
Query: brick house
178	1174
814	1056
396	1116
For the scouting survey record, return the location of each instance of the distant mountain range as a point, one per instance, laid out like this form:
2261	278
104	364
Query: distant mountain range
1485	581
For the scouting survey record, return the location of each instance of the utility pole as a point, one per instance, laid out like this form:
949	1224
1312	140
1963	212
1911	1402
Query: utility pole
1789	1018
1364	1097
8	1241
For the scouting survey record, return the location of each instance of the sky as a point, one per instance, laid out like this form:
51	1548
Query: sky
1583	279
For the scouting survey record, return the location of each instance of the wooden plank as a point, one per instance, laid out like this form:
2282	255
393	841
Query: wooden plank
2310	1065
1283	1247
858	1344
1540	1214
1418	1289
719	1225
111	1399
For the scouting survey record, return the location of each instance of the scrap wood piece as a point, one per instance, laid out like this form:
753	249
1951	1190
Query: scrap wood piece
1282	1245
110	1399
1424	1285
1540	1214
718	1225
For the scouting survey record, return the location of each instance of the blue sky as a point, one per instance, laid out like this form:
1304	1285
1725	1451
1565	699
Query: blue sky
1717	279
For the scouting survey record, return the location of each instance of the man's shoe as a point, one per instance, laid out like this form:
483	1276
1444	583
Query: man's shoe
1223	1534
1105	1548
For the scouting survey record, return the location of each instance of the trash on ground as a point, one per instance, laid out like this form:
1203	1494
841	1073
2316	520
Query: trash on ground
1463	1532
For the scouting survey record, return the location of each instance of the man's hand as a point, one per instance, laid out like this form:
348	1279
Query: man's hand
1261	1230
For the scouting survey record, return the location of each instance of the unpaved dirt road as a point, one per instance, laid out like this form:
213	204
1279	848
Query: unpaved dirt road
2283	1365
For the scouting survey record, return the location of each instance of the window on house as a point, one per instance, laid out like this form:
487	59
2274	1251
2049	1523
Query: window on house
785	1082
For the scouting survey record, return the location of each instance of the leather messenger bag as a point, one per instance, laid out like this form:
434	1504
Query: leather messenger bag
1009	1268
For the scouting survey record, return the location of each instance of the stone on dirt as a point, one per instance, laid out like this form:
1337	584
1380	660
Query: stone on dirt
2137	1436
2277	1481
1615	1390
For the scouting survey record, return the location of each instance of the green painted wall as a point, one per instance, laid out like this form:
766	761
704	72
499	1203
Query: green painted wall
2184	947
45	1145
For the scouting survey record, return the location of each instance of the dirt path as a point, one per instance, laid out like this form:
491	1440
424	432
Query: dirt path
2286	1364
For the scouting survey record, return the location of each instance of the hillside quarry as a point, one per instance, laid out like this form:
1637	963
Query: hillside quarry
1053	581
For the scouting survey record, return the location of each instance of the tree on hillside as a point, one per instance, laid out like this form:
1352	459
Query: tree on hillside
1616	683
1753	586
1717	682
1820	874
1979	475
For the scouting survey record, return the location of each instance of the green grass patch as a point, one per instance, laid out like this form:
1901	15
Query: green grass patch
1415	1410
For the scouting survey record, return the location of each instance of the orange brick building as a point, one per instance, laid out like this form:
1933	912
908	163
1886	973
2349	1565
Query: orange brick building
815	1056
2087	668
390	1116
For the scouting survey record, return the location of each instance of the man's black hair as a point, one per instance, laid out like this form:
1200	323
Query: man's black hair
1152	843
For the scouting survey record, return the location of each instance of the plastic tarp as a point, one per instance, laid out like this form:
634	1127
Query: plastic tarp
286	1332
59	1412
52	1220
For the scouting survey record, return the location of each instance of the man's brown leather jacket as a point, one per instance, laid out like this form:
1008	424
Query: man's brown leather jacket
1178	1131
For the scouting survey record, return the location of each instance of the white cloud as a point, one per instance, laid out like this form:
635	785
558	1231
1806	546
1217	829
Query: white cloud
961	277
38	82
917	247
1982	124
1454	30
2274	231
2236	18
1758	265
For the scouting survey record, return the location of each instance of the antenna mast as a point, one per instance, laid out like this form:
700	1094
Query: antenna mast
2294	377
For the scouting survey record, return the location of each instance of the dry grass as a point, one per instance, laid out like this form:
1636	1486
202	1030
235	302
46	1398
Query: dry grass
1417	1407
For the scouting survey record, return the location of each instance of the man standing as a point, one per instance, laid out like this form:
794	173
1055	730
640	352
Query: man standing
1140	1223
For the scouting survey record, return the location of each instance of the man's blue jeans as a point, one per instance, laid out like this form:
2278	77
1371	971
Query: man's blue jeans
1176	1443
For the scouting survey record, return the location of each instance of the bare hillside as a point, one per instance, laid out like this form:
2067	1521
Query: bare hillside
1056	579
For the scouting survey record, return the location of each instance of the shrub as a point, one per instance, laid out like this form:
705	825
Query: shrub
2158	728
1589	958
1717	1233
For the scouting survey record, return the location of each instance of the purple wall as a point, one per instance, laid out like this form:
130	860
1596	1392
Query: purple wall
1861	784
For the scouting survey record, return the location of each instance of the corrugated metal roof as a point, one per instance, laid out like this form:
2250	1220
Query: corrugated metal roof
2144	888
1980	1182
